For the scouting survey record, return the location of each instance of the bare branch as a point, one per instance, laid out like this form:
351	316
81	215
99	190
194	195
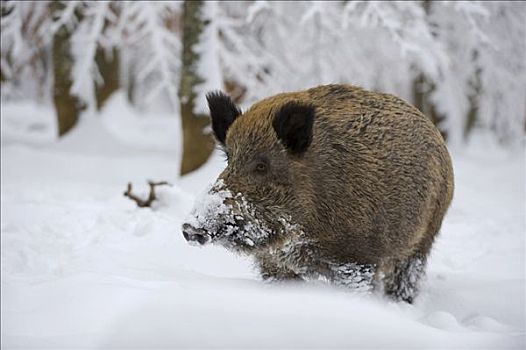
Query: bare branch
141	203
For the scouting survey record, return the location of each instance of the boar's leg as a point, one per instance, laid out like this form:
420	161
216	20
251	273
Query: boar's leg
273	271
402	282
358	277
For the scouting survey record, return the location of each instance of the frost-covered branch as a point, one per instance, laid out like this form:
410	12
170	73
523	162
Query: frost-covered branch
406	24
156	46
66	17
22	43
85	42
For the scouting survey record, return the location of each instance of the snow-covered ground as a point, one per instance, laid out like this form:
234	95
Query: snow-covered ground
82	266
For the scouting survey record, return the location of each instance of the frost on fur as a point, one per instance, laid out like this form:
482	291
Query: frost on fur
229	219
403	283
357	277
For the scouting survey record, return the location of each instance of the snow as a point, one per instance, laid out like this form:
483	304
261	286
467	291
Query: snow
82	266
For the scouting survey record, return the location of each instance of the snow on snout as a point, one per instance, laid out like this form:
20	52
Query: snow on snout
229	219
209	207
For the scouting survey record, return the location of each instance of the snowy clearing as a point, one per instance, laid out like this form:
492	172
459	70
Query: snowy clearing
82	266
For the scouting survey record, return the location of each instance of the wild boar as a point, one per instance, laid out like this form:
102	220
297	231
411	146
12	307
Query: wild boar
335	182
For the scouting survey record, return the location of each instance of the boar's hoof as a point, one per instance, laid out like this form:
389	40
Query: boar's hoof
192	234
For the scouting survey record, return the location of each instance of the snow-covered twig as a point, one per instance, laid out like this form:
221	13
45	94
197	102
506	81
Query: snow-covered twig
142	203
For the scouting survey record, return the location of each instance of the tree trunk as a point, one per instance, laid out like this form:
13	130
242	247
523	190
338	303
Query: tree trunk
473	100
67	106
108	64
422	89
197	145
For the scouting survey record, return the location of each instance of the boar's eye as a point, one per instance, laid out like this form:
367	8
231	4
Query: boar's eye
261	167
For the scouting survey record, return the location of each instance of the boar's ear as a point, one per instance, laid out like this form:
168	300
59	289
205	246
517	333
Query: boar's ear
223	112
293	126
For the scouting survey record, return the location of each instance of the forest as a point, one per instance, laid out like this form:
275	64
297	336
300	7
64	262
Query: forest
461	63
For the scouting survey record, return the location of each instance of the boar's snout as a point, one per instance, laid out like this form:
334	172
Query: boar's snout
192	234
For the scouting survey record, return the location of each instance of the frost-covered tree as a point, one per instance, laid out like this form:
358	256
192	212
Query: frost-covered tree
150	45
485	50
374	45
452	48
25	60
197	143
64	37
453	92
462	63
501	103
231	44
90	37
67	104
